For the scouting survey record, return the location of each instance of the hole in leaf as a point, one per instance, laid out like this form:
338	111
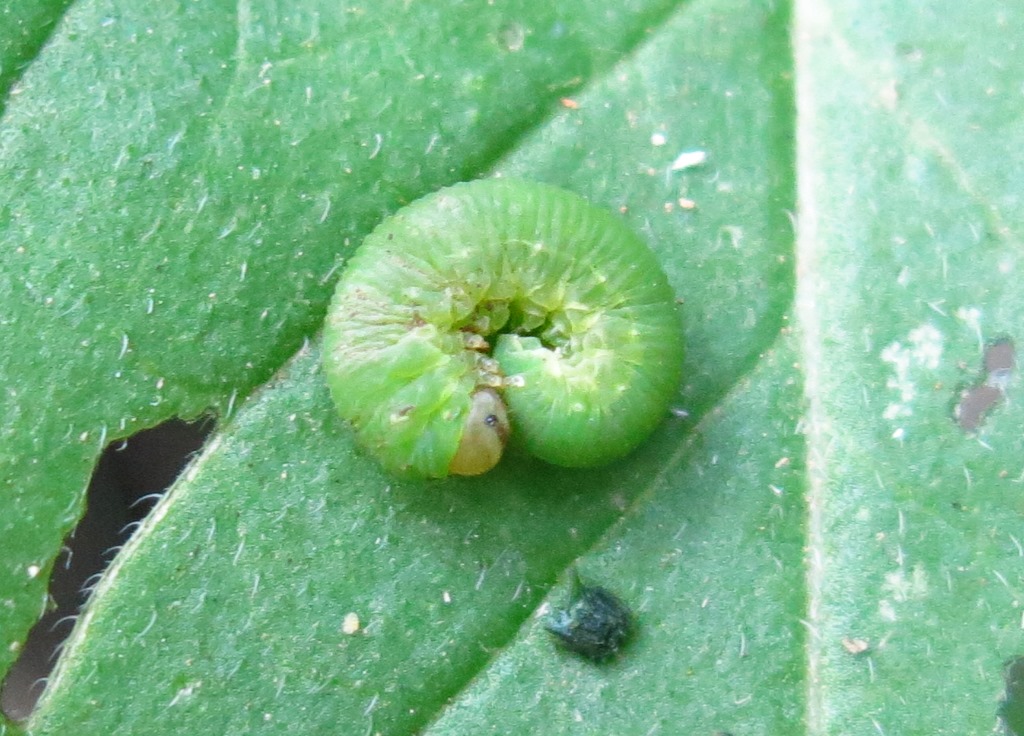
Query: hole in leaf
999	363
128	480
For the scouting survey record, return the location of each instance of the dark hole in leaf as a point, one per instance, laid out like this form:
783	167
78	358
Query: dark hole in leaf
974	404
999	363
1011	710
1000	360
127	482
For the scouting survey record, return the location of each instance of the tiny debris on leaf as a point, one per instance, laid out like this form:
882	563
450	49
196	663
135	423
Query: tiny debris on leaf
350	624
689	159
856	646
595	624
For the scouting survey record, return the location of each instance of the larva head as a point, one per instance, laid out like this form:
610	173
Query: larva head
483	436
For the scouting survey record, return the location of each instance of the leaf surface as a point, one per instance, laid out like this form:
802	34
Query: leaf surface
816	548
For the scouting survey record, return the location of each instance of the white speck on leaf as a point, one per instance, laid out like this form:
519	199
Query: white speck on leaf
350	625
886	611
185	692
689	159
902	588
379	144
971	316
924	352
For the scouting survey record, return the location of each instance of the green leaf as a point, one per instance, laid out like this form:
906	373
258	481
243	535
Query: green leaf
818	500
180	184
910	248
24	27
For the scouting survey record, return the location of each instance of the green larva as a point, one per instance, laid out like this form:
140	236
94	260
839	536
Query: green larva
501	308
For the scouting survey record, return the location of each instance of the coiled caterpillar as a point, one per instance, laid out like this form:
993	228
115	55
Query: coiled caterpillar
497	308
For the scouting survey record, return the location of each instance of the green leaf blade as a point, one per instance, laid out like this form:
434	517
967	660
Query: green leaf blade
181	183
906	246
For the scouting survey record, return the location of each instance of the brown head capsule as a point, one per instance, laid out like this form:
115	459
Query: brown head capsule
484	436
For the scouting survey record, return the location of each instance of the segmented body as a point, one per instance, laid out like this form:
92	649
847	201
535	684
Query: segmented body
494	294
